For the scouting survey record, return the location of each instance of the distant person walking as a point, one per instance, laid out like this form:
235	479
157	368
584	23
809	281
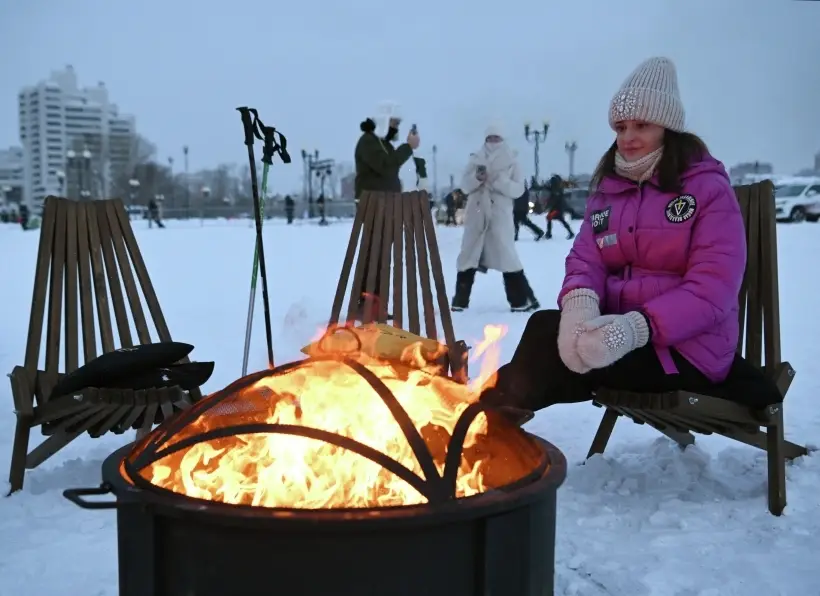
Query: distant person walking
521	216
154	215
557	206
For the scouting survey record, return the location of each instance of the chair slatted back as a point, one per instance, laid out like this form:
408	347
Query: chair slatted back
400	224
759	299
88	263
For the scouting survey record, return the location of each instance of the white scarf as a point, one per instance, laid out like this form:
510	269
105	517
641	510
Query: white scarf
641	169
498	157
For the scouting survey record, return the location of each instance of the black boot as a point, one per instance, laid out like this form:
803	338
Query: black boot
519	293
464	287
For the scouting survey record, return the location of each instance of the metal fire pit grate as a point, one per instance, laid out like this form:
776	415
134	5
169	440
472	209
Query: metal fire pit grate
239	399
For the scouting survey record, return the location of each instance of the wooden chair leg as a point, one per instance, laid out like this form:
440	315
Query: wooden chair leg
604	432
777	465
19	451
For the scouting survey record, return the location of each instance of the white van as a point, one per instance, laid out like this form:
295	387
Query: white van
797	199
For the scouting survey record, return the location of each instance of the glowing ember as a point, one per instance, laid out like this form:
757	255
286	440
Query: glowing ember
277	470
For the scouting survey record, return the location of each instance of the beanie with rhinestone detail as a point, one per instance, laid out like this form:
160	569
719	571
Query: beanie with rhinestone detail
650	94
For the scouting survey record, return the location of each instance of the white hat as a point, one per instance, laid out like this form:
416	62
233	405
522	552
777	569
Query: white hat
385	110
495	128
650	94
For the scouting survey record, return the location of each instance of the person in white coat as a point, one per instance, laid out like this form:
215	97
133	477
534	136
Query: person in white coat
492	181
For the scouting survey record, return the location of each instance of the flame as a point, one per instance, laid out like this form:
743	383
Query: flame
277	470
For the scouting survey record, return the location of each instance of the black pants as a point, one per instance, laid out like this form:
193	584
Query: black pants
516	286
536	377
559	217
521	219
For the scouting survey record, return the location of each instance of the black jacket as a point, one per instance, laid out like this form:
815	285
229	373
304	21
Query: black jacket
521	207
557	201
378	164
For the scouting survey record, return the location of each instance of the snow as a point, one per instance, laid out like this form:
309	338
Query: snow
644	519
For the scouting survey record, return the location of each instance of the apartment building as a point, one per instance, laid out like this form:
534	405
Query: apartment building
75	140
12	179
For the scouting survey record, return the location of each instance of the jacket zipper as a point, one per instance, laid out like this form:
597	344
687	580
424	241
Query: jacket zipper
628	268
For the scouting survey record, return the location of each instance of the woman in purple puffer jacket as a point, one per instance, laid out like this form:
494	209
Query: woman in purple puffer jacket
649	301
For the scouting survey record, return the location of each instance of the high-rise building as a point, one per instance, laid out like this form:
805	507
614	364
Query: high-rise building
75	140
12	179
817	161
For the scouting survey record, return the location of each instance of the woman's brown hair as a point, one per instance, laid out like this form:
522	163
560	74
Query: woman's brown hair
680	150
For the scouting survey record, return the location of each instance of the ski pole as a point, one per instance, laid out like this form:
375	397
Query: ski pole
267	135
252	297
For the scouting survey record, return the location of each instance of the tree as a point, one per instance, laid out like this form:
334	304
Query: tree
140	152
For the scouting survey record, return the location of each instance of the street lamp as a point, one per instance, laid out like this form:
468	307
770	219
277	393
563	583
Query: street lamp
206	194
187	183
61	182
310	161
85	174
134	184
537	137
571	147
171	175
70	156
435	173
323	169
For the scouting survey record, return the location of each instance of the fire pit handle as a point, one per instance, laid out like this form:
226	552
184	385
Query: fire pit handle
75	495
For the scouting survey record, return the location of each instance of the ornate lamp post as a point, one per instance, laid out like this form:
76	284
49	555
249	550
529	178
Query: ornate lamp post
537	137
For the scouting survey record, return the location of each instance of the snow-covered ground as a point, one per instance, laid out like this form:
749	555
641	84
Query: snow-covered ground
645	519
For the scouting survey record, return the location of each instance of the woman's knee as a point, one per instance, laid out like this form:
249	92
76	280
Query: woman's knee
543	323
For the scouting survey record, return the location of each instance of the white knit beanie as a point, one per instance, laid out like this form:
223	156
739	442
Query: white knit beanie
650	94
494	128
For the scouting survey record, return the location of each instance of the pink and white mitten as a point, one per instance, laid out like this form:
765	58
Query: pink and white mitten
577	307
608	338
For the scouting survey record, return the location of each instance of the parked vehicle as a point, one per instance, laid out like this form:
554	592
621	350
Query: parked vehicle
576	199
797	199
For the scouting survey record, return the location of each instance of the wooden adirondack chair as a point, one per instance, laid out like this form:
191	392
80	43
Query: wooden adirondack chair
679	414
86	249
401	224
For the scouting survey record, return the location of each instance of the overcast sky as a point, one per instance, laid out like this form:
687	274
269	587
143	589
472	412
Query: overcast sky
749	71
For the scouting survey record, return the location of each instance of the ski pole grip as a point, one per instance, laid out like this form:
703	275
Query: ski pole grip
283	148
269	144
247	124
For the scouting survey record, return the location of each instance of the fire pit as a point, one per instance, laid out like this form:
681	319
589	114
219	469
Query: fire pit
334	475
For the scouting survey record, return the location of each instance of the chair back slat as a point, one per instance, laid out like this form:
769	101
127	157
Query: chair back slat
99	282
410	252
55	294
770	286
72	346
89	325
40	293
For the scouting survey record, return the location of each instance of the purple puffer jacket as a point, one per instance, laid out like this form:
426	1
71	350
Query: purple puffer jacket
677	257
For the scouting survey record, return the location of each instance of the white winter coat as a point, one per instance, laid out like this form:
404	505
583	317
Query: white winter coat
489	231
